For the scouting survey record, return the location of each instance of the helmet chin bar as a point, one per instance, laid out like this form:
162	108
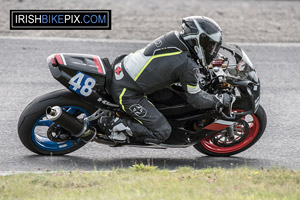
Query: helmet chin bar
201	56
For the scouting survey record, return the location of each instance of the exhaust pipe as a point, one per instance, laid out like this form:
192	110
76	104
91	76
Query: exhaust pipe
70	123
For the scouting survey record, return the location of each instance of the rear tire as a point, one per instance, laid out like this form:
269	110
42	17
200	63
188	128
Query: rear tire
33	117
208	147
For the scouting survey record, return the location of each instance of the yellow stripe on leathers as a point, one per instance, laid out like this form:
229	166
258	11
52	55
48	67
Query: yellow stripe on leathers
191	86
153	57
120	98
121	103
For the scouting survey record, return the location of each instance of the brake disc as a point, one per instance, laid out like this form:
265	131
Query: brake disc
241	130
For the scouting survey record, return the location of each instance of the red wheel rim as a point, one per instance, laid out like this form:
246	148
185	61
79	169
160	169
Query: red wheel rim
254	128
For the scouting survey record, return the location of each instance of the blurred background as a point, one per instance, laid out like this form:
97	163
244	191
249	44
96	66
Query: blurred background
240	20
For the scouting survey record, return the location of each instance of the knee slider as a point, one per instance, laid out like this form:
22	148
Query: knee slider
163	130
166	131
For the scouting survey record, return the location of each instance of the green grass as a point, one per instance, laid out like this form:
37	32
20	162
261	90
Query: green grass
148	182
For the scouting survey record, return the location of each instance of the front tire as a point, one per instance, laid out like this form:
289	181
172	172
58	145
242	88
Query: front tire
257	126
33	125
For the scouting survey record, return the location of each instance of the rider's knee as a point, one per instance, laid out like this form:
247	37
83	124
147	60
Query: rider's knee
164	132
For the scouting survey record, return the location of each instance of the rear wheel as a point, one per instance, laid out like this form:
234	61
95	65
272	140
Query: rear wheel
33	125
247	132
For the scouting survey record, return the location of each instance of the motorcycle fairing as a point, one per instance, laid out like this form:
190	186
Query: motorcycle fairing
65	68
219	125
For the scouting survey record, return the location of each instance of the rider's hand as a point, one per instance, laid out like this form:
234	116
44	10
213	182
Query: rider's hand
224	99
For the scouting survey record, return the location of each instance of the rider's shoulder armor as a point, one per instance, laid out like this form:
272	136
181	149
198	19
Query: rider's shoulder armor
165	44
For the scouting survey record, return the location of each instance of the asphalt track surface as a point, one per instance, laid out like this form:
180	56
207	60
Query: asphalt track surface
24	76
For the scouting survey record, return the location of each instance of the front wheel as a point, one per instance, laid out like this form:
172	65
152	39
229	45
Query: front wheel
247	132
33	125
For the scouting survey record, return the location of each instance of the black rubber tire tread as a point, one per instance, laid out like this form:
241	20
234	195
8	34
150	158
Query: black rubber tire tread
262	117
37	108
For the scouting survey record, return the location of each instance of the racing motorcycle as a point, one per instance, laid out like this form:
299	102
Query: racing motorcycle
52	123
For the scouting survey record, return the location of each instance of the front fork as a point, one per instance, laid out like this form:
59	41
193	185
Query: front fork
230	132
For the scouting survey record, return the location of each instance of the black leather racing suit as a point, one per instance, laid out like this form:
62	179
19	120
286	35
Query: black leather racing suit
161	63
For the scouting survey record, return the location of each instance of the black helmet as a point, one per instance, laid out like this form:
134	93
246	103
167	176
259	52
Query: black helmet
203	35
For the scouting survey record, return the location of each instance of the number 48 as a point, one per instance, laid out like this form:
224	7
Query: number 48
83	83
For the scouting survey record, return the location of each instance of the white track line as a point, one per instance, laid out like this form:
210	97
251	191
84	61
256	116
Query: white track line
74	39
276	44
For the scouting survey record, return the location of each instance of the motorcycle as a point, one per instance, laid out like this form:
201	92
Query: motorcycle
52	123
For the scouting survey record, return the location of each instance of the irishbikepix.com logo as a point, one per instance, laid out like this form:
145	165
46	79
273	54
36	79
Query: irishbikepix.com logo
60	19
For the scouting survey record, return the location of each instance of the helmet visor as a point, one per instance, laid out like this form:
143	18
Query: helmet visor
210	47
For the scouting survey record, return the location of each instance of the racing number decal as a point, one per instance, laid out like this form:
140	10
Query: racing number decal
82	84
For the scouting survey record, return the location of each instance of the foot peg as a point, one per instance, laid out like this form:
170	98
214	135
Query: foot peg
89	135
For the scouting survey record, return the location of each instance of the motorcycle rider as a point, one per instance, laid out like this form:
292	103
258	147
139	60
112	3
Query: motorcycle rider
169	59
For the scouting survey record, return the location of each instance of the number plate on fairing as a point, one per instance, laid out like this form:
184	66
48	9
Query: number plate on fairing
82	84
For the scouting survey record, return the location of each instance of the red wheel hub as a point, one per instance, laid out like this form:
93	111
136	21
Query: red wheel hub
254	128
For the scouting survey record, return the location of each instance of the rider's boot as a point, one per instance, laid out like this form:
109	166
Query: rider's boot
114	127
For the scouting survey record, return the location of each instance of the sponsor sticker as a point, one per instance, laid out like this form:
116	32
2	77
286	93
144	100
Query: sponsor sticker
158	42
118	71
138	110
